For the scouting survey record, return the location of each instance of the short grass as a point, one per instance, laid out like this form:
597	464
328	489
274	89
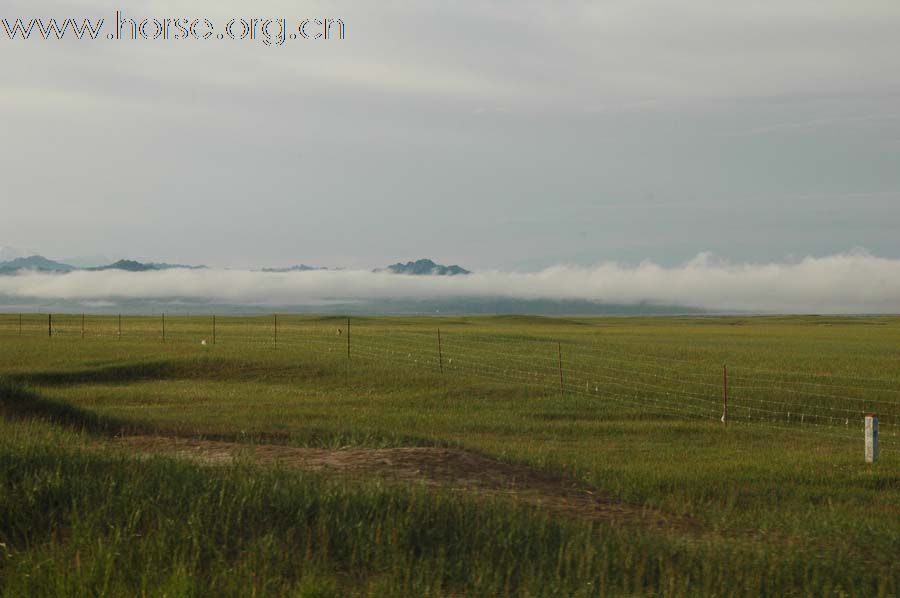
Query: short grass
778	505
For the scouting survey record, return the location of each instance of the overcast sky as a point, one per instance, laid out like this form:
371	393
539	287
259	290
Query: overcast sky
496	135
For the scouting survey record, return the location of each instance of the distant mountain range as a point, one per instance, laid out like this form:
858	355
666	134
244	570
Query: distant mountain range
425	268
34	262
38	263
133	266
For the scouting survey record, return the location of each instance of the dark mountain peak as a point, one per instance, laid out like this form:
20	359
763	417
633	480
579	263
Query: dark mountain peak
426	267
128	265
35	262
135	266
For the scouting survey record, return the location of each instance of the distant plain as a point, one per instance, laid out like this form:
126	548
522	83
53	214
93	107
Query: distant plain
514	455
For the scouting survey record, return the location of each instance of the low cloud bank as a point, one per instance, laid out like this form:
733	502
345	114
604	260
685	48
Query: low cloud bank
855	282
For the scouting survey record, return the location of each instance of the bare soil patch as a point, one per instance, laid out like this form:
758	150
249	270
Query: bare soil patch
457	469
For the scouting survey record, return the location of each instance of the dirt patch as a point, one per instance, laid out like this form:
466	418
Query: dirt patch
434	467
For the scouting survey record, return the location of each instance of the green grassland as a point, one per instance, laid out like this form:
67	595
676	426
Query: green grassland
778	502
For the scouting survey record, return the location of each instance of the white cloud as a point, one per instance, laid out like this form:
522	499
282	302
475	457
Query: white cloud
854	282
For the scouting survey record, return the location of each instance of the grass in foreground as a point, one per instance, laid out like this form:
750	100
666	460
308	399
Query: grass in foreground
777	512
77	520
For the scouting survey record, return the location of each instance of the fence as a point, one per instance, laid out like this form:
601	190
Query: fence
831	406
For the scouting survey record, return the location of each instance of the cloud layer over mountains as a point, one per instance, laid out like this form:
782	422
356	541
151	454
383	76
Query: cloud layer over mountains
854	282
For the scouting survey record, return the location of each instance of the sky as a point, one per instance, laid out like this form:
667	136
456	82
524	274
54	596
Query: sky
508	137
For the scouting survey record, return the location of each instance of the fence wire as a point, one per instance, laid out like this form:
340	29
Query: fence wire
832	406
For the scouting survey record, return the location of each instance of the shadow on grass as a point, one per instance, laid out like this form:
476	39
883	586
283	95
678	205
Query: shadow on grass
158	370
184	369
18	402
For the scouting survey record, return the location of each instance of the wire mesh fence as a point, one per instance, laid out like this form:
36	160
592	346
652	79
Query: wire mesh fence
829	405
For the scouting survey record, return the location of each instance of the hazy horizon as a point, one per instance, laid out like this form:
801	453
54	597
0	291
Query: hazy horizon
853	282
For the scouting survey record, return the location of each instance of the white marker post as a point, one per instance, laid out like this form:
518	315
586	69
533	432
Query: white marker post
871	438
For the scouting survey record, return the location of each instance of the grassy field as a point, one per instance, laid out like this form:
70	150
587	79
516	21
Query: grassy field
778	502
